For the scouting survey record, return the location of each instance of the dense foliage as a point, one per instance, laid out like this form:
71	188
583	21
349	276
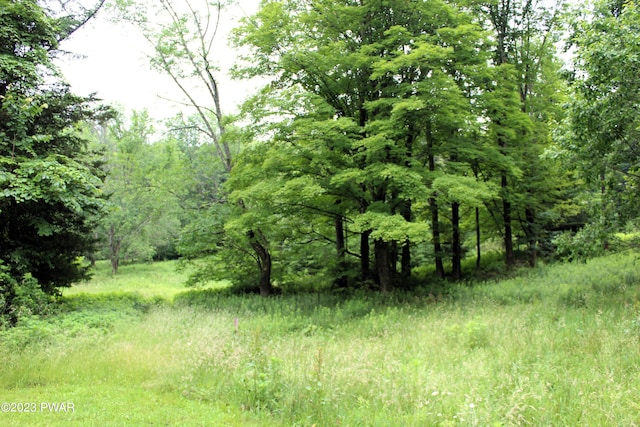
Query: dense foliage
603	124
404	126
143	186
396	143
49	183
396	139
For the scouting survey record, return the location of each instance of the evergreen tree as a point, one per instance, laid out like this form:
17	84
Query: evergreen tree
50	183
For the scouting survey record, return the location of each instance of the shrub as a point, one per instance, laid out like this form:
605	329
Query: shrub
589	242
20	299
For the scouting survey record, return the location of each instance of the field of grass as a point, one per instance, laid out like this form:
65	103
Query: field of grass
557	346
158	279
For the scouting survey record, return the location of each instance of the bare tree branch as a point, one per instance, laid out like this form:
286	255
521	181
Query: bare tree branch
72	18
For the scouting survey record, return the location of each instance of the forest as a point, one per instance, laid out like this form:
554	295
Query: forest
427	214
396	145
392	142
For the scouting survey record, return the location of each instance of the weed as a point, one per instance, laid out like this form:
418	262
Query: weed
573	297
472	334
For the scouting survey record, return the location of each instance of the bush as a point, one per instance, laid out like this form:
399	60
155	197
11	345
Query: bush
21	299
589	242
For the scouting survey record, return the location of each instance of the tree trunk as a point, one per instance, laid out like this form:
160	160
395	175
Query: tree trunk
435	231
433	204
341	280
340	245
456	258
405	261
92	255
365	256
508	233
604	209
382	265
532	237
405	256
115	263
393	258
456	245
478	256
265	275
264	264
114	250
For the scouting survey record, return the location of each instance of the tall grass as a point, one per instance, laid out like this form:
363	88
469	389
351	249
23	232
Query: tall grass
557	346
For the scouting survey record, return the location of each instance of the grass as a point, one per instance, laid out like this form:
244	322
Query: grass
559	345
159	279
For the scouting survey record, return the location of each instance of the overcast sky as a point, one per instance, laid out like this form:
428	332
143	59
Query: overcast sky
113	63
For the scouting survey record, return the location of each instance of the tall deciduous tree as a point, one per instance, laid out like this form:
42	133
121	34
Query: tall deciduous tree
386	67
434	107
183	35
144	184
522	102
603	122
286	171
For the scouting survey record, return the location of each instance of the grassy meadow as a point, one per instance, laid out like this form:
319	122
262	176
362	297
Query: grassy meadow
555	346
149	280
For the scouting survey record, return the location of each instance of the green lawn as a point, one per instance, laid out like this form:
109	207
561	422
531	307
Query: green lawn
559	346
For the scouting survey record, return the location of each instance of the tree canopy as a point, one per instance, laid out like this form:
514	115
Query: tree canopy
604	124
393	141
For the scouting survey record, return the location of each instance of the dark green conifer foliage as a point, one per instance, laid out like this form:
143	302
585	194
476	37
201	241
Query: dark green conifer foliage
49	183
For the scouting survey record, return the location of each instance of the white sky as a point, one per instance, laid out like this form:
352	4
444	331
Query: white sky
113	64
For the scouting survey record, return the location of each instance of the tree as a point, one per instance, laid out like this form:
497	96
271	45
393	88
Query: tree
293	194
183	41
50	183
603	131
522	103
144	184
70	15
380	67
434	106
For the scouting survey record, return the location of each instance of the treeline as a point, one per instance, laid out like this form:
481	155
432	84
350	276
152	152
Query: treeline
398	136
393	141
411	124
